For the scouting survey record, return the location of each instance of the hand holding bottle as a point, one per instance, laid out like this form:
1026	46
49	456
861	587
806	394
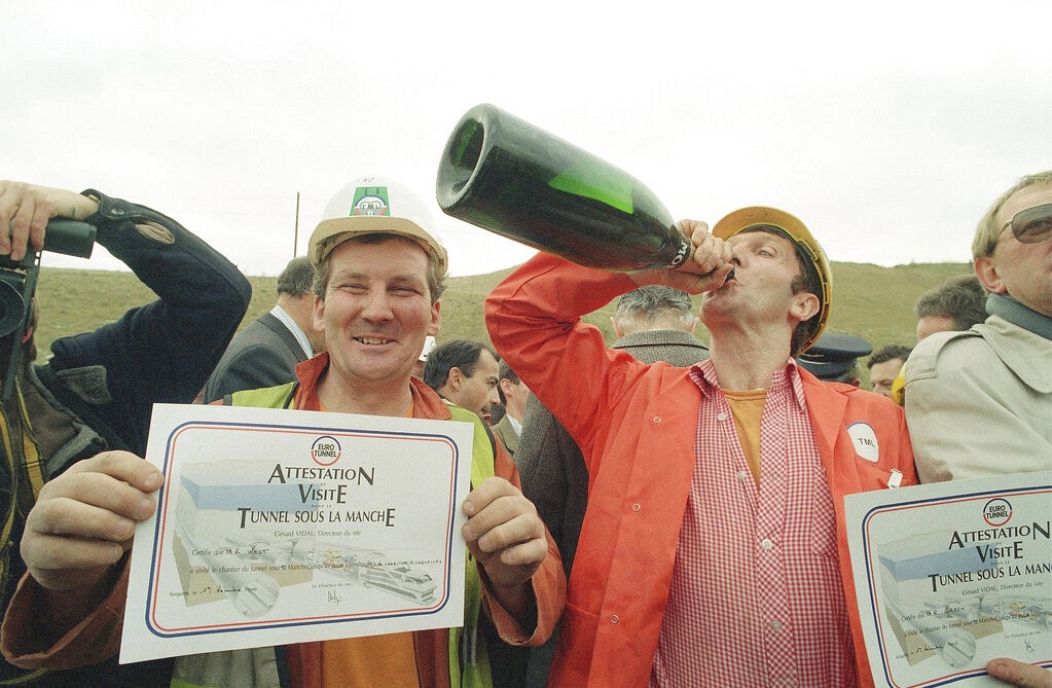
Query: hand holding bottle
708	267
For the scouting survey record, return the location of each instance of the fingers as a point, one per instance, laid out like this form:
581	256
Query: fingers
504	532
1019	673
84	519
710	253
25	210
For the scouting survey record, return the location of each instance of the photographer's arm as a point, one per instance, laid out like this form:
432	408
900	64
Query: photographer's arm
26	208
67	612
161	352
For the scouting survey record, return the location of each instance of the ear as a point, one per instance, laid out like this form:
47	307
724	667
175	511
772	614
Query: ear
319	314
28	333
986	270
505	385
804	306
436	319
455	378
618	330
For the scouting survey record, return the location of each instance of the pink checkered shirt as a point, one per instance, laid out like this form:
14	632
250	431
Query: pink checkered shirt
756	597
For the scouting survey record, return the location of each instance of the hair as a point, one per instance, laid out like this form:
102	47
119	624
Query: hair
435	275
988	231
643	306
456	353
807	280
888	353
297	278
506	373
961	298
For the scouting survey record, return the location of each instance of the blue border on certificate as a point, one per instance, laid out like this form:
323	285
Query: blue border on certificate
869	515
162	496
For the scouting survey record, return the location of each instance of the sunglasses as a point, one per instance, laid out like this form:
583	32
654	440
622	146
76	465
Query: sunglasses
1033	225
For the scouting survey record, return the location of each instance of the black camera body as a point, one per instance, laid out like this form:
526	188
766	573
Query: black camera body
18	284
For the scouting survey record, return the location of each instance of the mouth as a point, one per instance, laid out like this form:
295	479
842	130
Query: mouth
372	341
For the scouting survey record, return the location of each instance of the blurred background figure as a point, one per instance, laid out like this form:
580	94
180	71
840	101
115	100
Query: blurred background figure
956	304
834	358
266	352
513	393
464	372
884	367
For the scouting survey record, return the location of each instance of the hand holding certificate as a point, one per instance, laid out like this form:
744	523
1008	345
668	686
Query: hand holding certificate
952	575
276	526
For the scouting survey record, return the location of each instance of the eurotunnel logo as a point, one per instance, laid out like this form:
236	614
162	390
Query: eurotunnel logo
997	512
325	451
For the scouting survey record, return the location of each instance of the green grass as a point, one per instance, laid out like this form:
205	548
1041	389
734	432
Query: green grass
872	302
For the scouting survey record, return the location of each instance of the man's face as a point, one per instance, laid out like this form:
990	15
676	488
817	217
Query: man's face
928	325
477	392
515	394
1023	271
882	375
377	310
761	292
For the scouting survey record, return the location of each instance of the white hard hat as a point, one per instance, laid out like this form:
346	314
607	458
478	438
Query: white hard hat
375	205
429	345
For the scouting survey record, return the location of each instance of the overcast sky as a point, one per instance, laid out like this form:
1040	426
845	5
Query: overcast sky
887	127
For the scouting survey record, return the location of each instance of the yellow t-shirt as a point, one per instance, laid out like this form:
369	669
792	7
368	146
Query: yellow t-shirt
747	411
379	661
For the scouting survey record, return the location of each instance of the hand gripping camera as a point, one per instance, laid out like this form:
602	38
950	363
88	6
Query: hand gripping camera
18	284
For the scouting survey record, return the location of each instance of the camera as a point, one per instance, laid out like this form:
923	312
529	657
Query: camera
18	284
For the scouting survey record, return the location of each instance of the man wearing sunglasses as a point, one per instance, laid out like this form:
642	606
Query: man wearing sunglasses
979	402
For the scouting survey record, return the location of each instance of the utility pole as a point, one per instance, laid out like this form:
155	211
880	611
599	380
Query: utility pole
296	231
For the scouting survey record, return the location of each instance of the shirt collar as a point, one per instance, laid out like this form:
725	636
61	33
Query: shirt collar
704	376
301	337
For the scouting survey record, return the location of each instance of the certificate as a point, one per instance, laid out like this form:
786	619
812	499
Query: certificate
283	526
951	575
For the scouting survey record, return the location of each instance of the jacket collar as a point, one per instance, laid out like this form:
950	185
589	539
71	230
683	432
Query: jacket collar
426	402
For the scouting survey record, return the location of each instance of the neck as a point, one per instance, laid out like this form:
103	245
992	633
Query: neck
301	310
743	363
385	398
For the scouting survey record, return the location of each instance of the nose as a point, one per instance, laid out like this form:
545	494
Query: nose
376	306
493	398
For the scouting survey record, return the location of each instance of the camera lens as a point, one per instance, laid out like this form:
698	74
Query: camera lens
12	307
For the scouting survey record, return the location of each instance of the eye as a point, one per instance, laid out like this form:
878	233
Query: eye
351	287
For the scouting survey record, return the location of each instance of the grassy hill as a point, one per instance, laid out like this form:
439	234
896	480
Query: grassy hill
868	300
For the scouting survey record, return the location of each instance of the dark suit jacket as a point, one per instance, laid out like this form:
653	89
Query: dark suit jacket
554	476
262	355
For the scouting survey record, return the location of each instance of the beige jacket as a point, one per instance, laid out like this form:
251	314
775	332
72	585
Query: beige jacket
979	402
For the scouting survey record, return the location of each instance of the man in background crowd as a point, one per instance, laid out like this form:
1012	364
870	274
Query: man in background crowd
884	367
465	373
514	395
266	352
97	390
978	402
651	323
956	304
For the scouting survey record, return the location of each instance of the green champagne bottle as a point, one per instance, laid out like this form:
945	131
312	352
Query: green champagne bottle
506	175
